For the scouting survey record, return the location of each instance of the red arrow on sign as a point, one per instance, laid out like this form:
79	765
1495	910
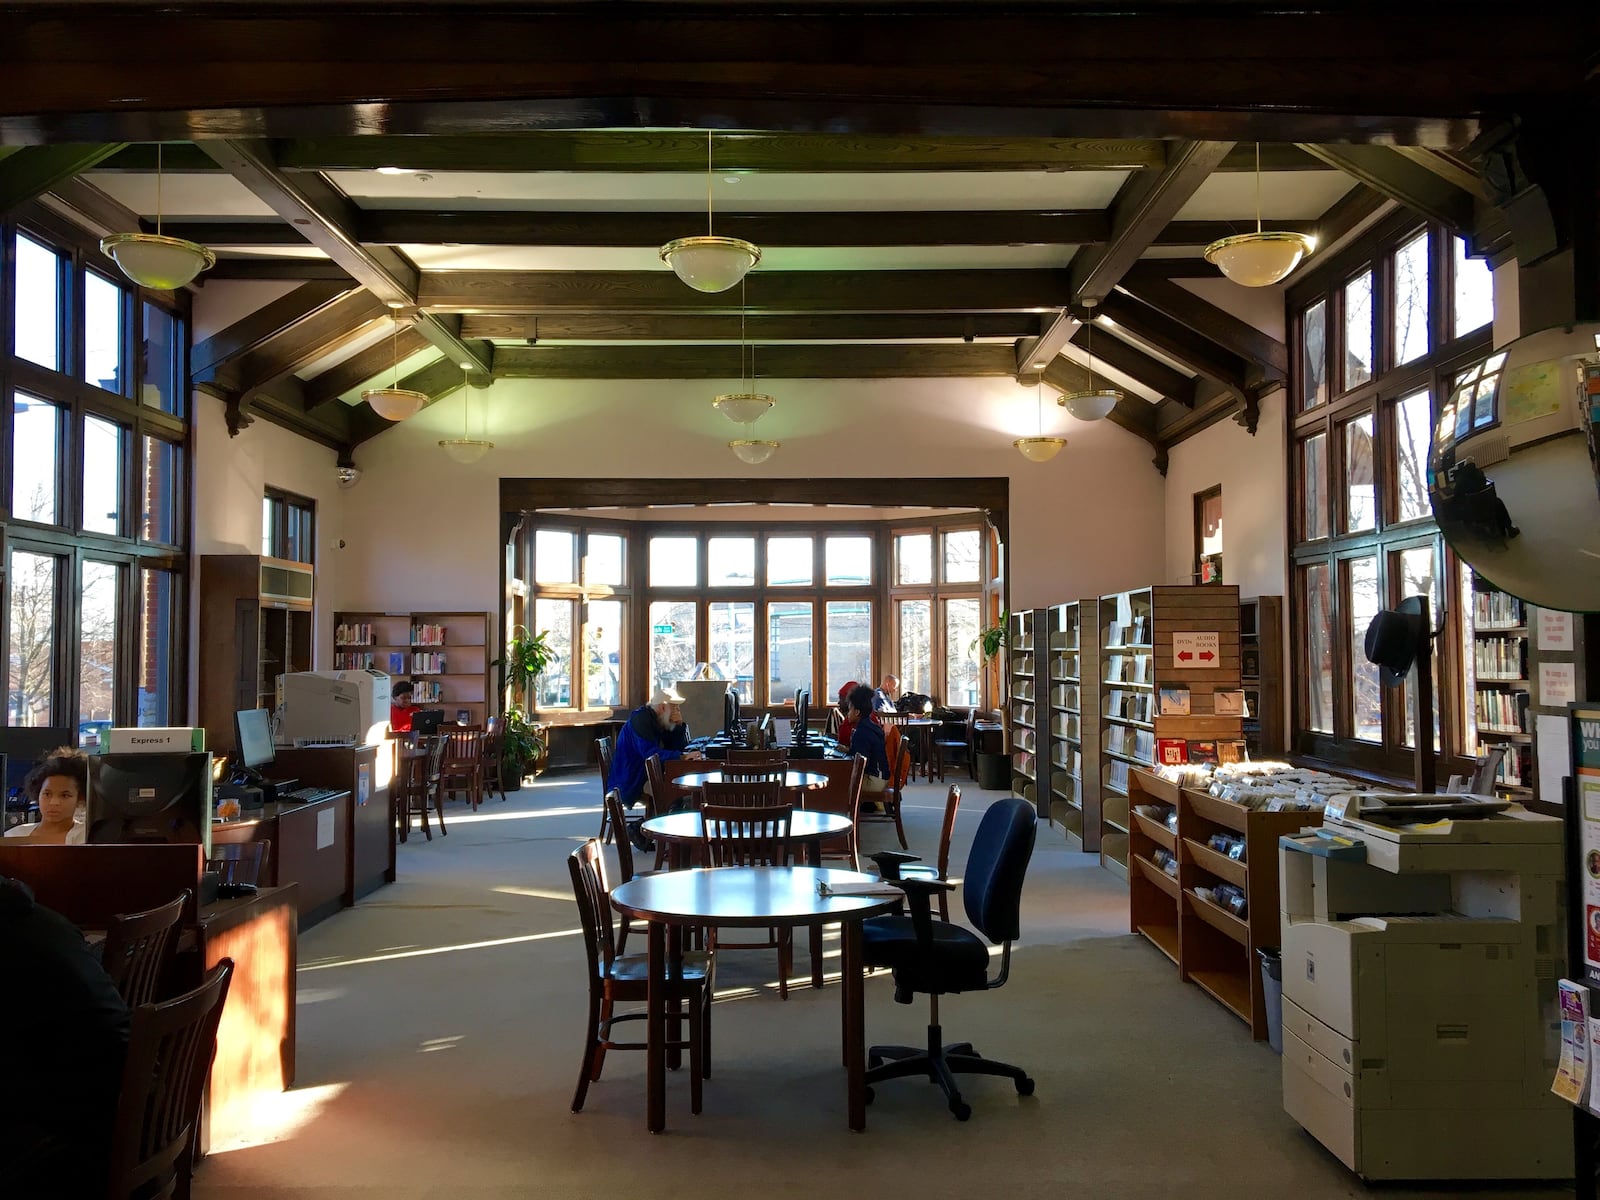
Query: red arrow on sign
1207	655
1185	656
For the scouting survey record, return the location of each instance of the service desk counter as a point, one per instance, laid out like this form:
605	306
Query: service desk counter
368	820
309	849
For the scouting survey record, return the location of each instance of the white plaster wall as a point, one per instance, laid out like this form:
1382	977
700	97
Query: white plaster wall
422	531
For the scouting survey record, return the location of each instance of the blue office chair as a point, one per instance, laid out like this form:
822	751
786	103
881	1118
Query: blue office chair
938	957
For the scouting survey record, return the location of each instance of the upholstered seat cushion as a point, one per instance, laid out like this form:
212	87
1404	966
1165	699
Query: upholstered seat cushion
958	961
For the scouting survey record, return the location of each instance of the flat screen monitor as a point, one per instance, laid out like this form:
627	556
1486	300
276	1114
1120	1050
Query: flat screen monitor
253	733
150	798
730	716
802	714
426	721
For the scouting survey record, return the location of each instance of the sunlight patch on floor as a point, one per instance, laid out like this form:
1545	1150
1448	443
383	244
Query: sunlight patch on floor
276	1116
379	958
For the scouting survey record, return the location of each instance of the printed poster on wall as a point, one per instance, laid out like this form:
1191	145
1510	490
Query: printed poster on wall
1586	783
363	782
1554	630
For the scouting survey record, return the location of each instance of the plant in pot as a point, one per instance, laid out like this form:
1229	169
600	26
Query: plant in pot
522	742
993	769
990	640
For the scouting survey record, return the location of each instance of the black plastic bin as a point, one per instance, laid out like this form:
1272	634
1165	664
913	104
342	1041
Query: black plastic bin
994	772
1272	987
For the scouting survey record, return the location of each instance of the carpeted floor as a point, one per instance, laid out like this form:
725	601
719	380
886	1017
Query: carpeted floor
440	1023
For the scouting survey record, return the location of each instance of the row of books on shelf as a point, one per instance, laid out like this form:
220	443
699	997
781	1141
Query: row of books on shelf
354	661
1023	738
1064	725
427	693
1022	664
1501	658
1022	714
1065	695
1135	632
1516	768
427	635
1496	609
1131	706
1135	743
1117	776
1502	711
1128	668
1023	762
427	662
1067	759
355	633
1175	752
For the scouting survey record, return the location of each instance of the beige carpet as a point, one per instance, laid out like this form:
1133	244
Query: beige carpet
440	1025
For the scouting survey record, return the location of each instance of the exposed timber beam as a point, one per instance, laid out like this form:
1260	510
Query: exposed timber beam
792	292
326	217
758	327
1267	354
82	202
329	385
1035	354
1176	340
1452	168
252	269
777	362
1131	413
1417	187
222	347
332	328
1147	202
29	171
1139	366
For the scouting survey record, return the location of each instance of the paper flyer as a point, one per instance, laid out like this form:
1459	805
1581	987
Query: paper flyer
1572	1076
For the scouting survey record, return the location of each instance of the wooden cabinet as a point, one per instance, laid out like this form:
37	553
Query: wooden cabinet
446	655
255	625
1261	675
1165	652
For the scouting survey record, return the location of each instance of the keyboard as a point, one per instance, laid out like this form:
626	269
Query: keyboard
310	795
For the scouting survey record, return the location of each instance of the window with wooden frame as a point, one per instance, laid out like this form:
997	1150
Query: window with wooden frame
1380	336
96	442
288	526
940	592
581	601
1208	535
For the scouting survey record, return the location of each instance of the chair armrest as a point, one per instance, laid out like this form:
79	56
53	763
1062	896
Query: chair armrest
889	862
920	893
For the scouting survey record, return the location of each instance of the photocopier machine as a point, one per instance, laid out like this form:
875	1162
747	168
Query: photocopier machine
1421	943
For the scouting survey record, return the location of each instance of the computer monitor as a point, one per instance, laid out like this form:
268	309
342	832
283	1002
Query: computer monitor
802	714
252	730
150	798
730	716
426	721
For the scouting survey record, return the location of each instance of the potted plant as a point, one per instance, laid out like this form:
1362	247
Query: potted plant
993	770
990	640
522	743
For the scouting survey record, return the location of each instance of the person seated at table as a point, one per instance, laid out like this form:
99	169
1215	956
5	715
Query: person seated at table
887	697
61	1074
847	722
401	710
653	730
867	740
59	786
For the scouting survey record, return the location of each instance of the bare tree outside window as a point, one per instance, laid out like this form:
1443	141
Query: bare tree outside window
32	614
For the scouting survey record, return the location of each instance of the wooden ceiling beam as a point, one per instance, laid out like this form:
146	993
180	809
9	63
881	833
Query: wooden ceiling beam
82	202
29	171
1135	415
1239	338
1419	188
233	270
326	331
775	362
774	292
1140	367
327	386
1176	340
758	327
326	217
1145	205
222	347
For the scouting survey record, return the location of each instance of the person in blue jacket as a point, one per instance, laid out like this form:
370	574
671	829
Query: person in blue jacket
867	740
654	730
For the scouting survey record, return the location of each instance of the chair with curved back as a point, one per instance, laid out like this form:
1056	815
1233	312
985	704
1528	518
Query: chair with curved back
937	957
138	947
910	866
743	793
899	754
605	748
841	795
750	835
625	867
170	1048
942	747
615	979
419	786
462	767
494	738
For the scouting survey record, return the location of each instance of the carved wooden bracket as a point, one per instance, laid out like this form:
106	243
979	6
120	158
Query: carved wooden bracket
238	414
1249	414
1160	461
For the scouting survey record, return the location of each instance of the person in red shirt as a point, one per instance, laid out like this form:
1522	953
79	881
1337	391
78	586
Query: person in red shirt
401	709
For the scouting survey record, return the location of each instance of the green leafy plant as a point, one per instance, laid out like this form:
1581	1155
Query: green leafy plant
526	657
521	744
993	637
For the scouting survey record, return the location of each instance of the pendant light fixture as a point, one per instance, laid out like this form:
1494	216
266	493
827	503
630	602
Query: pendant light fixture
152	260
467	449
1093	402
1039	448
1261	258
753	451
395	403
747	405
710	263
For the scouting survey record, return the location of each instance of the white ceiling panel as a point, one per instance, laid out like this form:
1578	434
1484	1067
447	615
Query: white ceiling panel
1107	374
1286	195
809	258
381	331
306	251
1138	344
212	194
686	191
387	376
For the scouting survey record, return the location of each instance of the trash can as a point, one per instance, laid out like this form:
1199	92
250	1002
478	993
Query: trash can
994	772
1272	989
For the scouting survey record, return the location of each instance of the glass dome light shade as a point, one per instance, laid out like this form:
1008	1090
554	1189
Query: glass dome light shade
1039	449
753	451
395	403
743	407
1258	259
710	262
466	450
154	261
1091	405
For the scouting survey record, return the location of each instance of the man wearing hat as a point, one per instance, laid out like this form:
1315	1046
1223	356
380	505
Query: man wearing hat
654	730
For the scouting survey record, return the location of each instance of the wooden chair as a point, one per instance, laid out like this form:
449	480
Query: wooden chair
841	795
419	786
240	862
170	1049
493	766
625	867
891	796
966	745
743	793
138	947
940	869
462	767
614	979
605	748
744	835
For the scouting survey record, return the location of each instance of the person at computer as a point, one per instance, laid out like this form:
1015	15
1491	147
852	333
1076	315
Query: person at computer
887	697
59	786
401	710
847	722
653	730
61	1076
867	740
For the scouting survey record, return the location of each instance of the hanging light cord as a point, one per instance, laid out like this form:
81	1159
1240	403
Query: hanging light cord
158	189
1258	187
397	351
1038	396
708	183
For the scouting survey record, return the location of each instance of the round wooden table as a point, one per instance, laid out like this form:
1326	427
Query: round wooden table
750	897
792	780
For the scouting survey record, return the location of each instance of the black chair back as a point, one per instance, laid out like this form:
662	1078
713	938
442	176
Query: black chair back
992	886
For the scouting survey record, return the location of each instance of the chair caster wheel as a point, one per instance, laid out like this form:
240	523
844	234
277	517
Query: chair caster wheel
1024	1086
961	1110
870	1095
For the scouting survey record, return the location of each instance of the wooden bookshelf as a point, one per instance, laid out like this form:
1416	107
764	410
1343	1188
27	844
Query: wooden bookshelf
1072	677
1026	703
255	625
1211	947
1138	658
1261	674
444	654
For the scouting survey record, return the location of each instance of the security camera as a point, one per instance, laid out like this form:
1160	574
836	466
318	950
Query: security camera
348	476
